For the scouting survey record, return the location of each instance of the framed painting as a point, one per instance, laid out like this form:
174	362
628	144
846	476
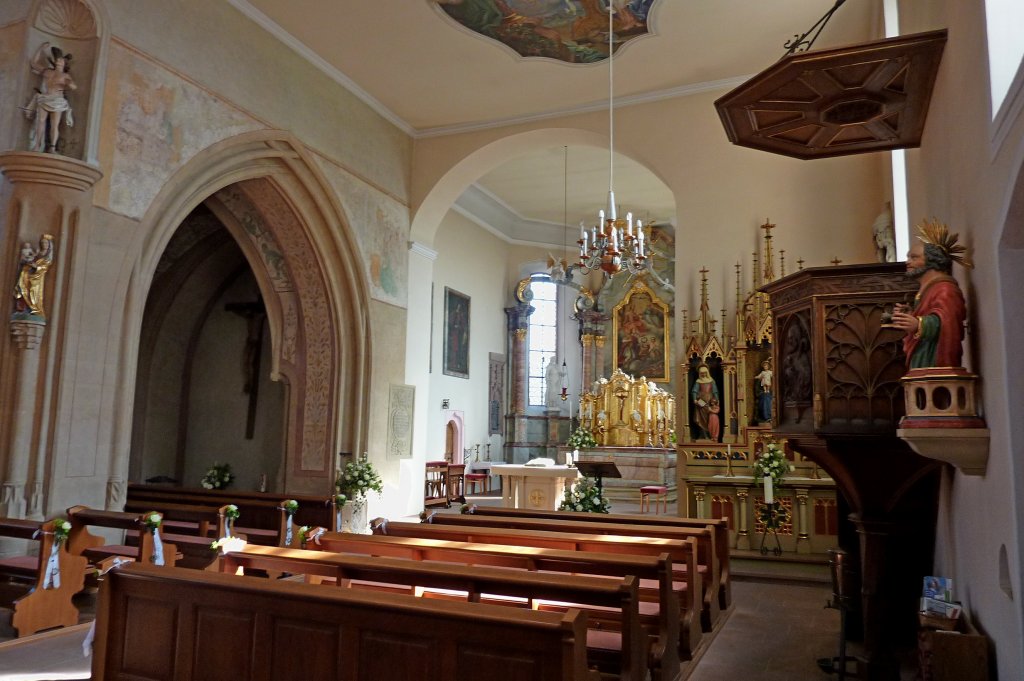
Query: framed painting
640	327
456	334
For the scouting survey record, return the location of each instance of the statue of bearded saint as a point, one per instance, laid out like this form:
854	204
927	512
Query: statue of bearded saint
934	325
33	265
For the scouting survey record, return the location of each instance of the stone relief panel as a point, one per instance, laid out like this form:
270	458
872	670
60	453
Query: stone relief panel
381	226
400	410
154	122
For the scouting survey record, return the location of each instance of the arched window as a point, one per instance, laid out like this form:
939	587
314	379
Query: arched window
1005	47
543	336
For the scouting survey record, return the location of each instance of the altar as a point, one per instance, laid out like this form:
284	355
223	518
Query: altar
639	467
533	487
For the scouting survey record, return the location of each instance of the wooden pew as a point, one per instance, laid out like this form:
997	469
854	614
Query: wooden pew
707	559
655	574
682	552
720	525
259	519
194	519
249	628
37	605
94	548
620	654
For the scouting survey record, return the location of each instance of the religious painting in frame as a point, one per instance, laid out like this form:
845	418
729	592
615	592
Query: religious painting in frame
641	331
455	360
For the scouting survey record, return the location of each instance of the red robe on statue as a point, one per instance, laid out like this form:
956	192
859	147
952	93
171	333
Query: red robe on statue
939	343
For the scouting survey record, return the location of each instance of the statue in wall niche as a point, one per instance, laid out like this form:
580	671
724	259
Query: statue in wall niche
884	234
934	324
763	390
553	383
704	396
48	106
29	289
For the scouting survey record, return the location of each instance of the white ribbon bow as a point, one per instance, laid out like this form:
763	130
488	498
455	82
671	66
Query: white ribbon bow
51	578
158	548
288	531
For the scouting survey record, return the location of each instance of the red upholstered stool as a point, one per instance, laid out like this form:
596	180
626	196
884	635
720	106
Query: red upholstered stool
474	479
660	493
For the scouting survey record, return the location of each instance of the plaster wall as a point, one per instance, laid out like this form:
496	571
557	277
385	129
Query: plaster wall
473	262
965	174
180	78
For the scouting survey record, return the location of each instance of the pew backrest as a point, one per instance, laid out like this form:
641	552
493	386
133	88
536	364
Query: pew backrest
273	629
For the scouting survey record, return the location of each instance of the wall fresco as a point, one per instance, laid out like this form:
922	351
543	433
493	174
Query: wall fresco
160	122
381	226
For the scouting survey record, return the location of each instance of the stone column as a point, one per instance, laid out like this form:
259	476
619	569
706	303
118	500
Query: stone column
518	323
742	532
44	195
803	535
587	341
599	368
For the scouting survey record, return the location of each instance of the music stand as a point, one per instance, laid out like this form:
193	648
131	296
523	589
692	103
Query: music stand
599	470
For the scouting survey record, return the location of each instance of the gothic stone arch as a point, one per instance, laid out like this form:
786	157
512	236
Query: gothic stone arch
275	203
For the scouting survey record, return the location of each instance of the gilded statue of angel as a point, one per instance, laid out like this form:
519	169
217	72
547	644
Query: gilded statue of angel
48	106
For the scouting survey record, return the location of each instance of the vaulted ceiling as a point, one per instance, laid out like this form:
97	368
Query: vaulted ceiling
431	75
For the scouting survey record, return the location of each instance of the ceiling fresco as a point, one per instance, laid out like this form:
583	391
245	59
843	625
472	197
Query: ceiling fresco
573	31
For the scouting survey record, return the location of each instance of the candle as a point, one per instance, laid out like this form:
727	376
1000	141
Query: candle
583	230
629	223
769	496
728	452
600	216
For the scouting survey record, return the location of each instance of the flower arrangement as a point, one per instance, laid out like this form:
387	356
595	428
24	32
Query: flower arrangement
581	439
290	507
356	479
584	496
773	463
340	500
152	521
61	530
218	477
231	512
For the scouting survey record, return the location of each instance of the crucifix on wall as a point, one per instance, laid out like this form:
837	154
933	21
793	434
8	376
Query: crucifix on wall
254	314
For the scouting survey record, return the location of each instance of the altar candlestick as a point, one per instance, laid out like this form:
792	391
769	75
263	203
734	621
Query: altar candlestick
769	497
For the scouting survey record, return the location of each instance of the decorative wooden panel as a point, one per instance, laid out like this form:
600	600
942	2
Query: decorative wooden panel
826	518
721	507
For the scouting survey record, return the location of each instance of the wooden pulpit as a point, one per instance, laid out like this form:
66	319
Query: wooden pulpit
838	401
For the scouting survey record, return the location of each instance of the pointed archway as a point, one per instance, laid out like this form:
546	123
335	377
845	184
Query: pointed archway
273	200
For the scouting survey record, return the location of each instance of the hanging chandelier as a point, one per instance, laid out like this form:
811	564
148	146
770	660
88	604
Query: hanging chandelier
612	245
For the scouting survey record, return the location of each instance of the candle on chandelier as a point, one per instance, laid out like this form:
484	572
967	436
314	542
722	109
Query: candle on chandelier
629	224
583	230
769	495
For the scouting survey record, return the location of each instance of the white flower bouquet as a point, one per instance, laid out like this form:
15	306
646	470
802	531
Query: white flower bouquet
218	477
581	439
357	479
585	497
772	462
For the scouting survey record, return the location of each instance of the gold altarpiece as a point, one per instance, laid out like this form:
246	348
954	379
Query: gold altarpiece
715	474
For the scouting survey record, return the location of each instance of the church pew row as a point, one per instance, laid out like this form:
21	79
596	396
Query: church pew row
246	628
707	554
657	587
260	516
81	542
616	642
682	552
719	525
39	603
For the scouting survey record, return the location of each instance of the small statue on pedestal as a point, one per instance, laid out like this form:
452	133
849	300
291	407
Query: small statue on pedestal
48	106
934	325
29	288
